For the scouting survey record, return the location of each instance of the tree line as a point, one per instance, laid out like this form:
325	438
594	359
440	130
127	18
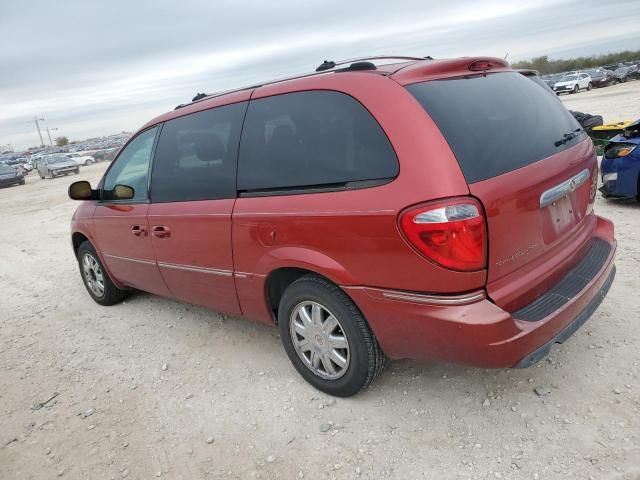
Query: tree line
544	65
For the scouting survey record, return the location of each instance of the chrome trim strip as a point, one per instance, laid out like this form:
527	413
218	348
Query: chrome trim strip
127	259
563	189
435	299
318	213
191	268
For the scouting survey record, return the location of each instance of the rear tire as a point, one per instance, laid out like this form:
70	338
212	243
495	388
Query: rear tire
363	358
95	277
589	86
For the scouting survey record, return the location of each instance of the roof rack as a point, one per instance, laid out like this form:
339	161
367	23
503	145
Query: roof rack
329	64
355	64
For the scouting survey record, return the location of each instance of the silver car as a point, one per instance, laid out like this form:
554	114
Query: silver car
56	165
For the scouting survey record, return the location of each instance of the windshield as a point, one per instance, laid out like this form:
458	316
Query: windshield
568	78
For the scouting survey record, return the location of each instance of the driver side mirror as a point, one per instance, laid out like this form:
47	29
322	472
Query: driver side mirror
82	191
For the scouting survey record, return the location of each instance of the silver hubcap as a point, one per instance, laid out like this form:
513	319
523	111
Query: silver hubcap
319	340
93	275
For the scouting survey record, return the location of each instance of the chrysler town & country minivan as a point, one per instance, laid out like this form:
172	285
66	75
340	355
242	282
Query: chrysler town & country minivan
429	209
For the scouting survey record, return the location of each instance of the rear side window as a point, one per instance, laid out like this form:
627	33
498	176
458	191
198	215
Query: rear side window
196	156
308	139
497	123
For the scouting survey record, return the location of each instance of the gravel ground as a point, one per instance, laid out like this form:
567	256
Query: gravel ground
156	388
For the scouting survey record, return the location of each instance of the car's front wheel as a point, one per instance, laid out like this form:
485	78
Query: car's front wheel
575	89
95	277
589	86
326	337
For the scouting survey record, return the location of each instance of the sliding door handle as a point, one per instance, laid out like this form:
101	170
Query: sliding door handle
160	231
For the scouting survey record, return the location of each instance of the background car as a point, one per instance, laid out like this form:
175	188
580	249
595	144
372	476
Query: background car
81	159
622	74
552	79
601	78
573	83
10	176
620	166
56	165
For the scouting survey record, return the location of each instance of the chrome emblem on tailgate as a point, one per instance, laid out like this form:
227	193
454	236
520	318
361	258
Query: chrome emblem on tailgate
564	188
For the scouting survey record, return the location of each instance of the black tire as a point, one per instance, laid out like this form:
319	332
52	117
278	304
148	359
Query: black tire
112	294
575	89
22	182
41	177
589	86
51	175
366	358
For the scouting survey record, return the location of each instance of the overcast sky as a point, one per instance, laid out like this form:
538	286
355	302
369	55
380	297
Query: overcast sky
92	68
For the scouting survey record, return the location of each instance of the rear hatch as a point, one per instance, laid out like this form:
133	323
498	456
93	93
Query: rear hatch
531	166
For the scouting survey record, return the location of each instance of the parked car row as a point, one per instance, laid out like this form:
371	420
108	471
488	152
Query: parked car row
573	82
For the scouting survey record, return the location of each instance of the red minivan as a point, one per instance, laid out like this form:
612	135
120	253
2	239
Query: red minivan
430	209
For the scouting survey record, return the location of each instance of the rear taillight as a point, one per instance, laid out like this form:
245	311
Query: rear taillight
451	234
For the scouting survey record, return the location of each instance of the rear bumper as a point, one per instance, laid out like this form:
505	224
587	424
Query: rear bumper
480	333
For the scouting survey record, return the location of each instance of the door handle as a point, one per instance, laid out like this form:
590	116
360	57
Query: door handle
160	231
139	230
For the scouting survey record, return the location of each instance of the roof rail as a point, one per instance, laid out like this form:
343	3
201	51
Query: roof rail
329	66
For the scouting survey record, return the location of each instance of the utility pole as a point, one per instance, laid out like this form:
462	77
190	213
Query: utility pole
49	134
36	120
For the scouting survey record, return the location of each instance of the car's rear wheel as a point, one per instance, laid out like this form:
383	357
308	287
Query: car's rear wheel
95	277
589	86
326	337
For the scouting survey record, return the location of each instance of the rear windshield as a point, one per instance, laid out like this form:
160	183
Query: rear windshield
497	123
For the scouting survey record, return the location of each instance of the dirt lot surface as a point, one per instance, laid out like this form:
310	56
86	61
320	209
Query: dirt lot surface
155	388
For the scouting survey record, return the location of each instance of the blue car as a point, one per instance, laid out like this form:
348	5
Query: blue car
620	165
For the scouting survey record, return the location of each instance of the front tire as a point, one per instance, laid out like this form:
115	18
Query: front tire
575	89
95	277
326	337
589	86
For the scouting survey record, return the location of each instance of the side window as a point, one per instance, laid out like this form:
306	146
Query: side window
314	138
196	156
131	168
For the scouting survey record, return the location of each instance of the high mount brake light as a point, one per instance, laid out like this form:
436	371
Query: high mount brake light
451	234
484	65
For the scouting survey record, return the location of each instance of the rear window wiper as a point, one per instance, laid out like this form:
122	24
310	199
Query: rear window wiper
569	136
